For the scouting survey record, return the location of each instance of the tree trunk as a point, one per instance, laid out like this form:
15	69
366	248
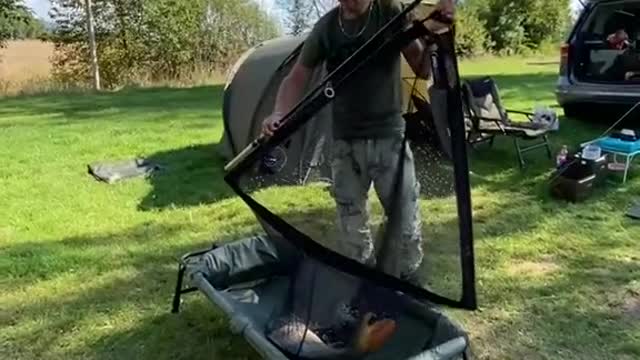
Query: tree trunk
92	45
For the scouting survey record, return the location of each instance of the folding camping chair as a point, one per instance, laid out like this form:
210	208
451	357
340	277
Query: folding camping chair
488	117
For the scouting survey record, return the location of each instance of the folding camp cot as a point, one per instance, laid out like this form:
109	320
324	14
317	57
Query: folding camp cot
249	280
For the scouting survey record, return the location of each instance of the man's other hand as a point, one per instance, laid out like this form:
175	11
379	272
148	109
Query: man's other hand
447	8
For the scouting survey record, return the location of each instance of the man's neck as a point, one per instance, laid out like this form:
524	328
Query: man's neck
352	14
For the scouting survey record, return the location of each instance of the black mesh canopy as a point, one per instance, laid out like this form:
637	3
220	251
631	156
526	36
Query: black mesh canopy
336	306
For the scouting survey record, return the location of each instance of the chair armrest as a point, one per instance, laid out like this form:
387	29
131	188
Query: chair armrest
496	121
529	115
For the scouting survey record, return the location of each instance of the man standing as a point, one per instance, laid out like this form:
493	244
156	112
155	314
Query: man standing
368	127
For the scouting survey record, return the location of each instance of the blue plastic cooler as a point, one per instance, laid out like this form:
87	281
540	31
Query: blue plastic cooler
618	145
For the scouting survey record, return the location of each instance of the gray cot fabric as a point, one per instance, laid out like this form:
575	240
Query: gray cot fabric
256	279
246	260
415	333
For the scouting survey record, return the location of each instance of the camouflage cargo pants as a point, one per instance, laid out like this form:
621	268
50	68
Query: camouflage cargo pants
358	164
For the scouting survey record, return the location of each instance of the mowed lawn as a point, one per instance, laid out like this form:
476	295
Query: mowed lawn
87	269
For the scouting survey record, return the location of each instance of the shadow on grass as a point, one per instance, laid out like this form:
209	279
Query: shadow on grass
496	168
199	331
544	310
126	281
129	102
117	288
193	177
145	245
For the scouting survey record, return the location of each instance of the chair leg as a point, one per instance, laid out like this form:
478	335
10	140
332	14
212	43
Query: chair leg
548	146
520	159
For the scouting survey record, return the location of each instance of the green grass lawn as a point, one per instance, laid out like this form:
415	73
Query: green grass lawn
87	269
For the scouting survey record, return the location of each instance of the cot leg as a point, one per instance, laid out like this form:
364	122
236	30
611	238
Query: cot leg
182	268
178	292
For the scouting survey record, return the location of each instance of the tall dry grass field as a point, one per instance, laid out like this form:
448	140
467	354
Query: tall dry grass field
25	67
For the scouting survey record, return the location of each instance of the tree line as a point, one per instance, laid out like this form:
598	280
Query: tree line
165	39
484	26
510	26
156	39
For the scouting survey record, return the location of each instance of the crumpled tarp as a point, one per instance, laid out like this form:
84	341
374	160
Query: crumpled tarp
111	172
634	211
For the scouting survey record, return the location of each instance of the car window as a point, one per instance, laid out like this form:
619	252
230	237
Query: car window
606	19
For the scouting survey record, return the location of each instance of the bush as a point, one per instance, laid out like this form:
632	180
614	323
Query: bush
546	20
521	26
507	30
472	38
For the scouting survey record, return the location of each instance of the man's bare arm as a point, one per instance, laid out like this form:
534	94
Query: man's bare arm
289	93
418	57
291	88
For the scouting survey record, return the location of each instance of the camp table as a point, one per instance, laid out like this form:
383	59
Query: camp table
617	147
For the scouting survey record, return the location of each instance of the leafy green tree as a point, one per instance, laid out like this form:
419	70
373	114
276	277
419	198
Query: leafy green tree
155	38
507	29
22	26
472	37
514	25
12	12
546	20
298	15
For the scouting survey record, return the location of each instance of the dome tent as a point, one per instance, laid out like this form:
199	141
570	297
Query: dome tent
293	295
249	95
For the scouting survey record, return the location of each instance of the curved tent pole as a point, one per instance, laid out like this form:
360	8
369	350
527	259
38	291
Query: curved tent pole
321	95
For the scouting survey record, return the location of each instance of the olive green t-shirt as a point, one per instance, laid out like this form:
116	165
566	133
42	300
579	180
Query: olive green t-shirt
369	104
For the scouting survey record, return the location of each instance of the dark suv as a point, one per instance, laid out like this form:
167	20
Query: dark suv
600	62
